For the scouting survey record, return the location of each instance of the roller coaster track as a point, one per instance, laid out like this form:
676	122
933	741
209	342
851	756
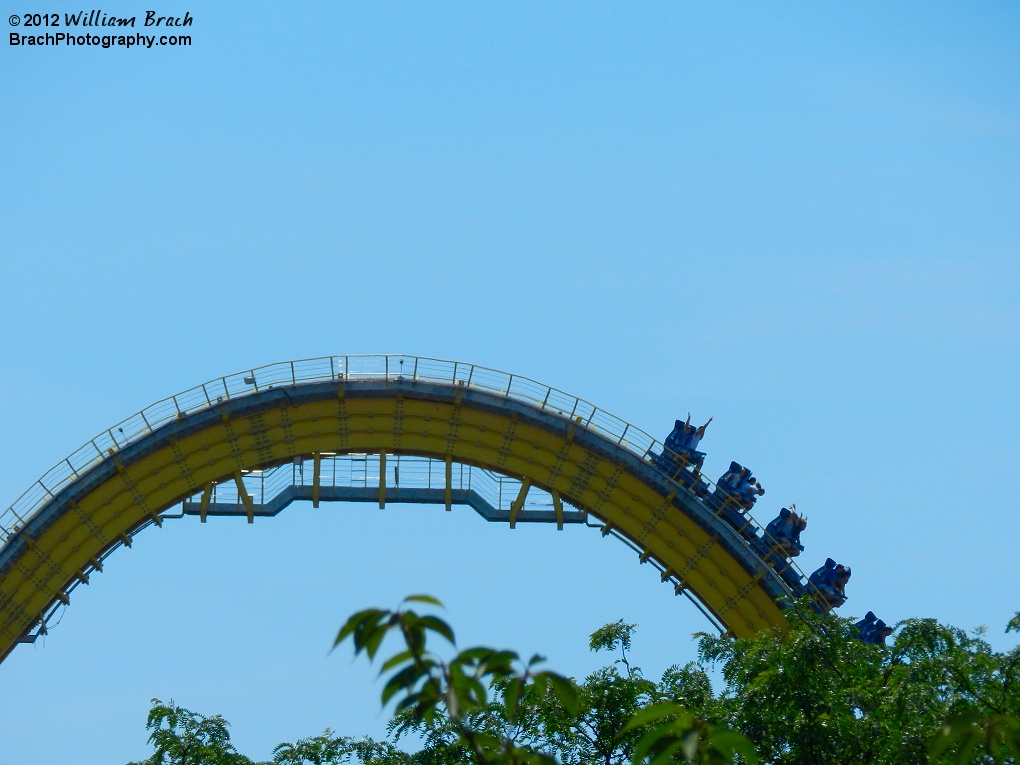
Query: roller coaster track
393	428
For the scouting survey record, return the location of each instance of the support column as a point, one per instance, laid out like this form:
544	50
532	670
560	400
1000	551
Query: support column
316	473
449	483
518	503
242	492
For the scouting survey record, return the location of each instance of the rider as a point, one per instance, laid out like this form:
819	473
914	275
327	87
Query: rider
749	490
786	530
831	581
873	630
684	440
695	435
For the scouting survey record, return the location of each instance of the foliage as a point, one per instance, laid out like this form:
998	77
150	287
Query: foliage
531	716
668	730
995	739
182	737
612	636
455	694
328	749
814	695
820	695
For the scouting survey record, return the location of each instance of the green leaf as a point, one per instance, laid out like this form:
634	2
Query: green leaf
511	694
476	654
429	599
655	712
665	755
731	742
405	679
372	640
395	660
499	663
968	743
438	625
566	692
960	730
358	622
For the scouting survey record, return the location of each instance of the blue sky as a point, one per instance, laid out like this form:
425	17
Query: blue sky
800	219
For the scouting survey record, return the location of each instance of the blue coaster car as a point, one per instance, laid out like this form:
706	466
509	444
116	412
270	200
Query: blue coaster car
693	481
792	577
678	454
780	564
737	486
830	581
785	530
728	508
881	631
865	625
873	630
679	462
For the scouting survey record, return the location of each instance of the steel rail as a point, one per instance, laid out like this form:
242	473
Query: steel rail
352	368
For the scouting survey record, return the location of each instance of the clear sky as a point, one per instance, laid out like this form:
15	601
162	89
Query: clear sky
802	219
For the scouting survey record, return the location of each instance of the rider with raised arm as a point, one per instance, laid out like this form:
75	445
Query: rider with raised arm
695	438
785	530
684	440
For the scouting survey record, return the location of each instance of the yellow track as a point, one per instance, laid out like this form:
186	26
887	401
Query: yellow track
63	540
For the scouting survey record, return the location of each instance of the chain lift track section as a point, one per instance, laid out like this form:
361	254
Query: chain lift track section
421	430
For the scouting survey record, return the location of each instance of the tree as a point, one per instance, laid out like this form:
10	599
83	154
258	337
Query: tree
328	749
487	707
819	695
816	694
182	737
